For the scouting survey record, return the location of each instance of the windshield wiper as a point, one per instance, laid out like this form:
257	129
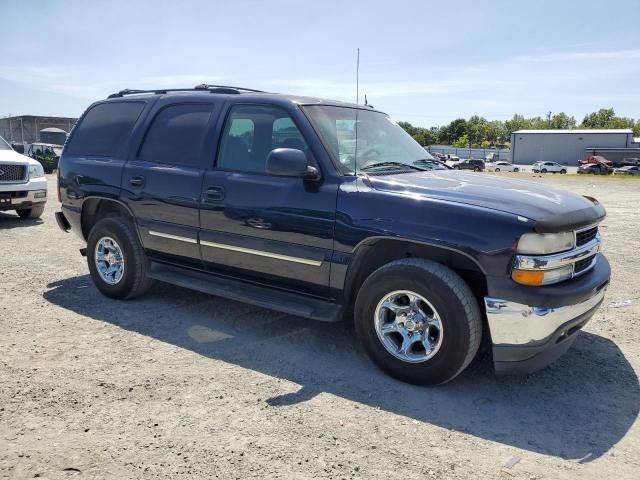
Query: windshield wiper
392	164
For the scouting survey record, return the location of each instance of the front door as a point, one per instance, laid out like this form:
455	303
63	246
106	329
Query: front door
162	183
261	227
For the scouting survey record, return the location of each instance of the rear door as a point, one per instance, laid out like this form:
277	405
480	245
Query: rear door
163	179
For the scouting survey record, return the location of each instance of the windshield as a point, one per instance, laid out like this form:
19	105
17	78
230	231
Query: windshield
366	140
4	145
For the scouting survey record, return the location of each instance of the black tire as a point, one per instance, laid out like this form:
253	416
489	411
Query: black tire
497	170
563	171
35	211
516	170
134	281
450	296
476	169
544	170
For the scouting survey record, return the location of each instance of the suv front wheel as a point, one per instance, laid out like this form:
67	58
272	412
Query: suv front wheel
117	262
418	321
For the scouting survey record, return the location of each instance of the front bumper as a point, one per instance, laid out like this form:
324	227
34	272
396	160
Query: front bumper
527	338
23	195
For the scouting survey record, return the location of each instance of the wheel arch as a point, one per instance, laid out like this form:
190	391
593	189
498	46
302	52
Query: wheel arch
372	253
97	208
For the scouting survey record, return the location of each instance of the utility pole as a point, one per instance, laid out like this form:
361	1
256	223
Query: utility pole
549	118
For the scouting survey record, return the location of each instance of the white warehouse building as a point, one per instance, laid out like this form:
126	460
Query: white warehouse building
566	146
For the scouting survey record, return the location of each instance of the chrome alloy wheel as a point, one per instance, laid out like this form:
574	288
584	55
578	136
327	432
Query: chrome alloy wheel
109	260
408	326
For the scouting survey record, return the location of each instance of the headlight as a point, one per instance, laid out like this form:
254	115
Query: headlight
536	278
36	171
545	243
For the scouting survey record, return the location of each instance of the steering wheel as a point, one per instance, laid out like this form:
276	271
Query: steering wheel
371	151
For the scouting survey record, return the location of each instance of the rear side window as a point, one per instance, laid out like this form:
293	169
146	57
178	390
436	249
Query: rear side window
104	129
176	135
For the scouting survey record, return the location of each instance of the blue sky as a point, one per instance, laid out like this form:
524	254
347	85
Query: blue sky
421	61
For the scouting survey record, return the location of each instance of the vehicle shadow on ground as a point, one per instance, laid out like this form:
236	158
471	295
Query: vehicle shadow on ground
577	408
12	220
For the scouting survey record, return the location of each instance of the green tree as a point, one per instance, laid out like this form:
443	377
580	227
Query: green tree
606	118
461	142
518	122
477	129
562	121
600	119
454	130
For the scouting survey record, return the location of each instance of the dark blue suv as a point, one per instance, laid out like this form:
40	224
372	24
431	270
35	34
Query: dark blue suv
329	210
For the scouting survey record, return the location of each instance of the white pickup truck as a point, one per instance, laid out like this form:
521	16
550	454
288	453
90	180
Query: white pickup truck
23	186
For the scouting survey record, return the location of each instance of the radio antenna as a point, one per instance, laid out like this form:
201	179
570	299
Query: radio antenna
355	126
358	75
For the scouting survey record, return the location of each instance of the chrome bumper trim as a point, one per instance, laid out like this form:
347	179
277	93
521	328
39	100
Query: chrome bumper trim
30	197
514	324
548	262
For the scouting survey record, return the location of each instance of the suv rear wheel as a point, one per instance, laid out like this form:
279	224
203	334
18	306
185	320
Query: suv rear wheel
34	212
117	262
418	321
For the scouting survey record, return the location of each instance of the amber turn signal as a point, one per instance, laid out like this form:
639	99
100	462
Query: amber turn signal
528	277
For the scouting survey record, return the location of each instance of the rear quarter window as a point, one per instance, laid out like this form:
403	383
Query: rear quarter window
104	129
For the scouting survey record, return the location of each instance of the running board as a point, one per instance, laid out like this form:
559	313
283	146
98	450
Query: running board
270	298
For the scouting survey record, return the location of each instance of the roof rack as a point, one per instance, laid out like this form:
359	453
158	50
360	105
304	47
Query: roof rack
213	88
204	86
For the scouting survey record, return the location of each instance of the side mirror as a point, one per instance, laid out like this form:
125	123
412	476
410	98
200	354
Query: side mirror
290	162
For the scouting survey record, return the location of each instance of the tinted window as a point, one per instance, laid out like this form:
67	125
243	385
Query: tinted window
251	132
176	135
104	129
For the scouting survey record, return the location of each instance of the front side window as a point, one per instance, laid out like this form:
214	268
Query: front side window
365	140
176	135
251	132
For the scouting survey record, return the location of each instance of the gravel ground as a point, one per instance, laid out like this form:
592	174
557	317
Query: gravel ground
178	384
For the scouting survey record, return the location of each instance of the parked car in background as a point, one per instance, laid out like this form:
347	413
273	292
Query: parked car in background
23	186
501	166
439	156
595	169
451	158
595	159
470	164
628	170
548	167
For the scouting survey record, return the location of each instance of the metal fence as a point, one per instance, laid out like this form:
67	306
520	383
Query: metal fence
480	153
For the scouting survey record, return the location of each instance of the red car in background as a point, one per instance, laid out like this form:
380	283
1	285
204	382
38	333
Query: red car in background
595	159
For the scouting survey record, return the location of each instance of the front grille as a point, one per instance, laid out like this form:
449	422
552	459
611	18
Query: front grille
12	173
582	265
585	236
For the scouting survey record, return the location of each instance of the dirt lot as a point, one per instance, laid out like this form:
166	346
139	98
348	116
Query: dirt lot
178	384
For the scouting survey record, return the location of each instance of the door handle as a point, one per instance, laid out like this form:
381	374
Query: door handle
136	181
214	193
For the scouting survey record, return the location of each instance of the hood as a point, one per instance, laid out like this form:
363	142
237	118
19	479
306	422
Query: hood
11	156
551	209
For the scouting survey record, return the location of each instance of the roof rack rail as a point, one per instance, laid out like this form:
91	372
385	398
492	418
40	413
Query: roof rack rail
204	86
129	91
215	88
